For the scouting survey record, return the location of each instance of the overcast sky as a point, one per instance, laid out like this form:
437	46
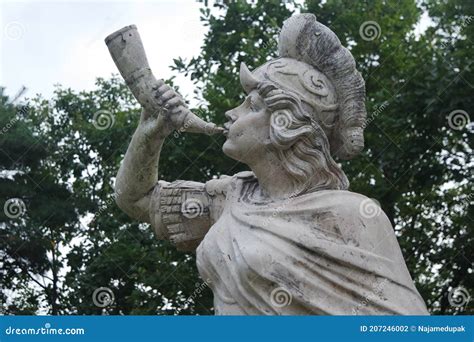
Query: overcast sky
45	43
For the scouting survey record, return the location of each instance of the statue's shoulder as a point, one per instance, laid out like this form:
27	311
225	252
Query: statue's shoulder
336	196
221	185
245	175
354	207
342	202
349	196
218	186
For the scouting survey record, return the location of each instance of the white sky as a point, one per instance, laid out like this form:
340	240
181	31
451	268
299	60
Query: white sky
44	43
48	42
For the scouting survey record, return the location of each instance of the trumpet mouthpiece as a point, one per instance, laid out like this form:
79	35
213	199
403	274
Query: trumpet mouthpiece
194	124
213	129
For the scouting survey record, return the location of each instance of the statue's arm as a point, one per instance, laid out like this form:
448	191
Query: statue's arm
138	173
167	206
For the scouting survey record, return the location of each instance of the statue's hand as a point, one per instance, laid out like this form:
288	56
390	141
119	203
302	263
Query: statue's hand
170	114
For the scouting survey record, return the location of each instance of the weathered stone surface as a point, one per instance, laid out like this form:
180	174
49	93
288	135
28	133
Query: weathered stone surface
286	237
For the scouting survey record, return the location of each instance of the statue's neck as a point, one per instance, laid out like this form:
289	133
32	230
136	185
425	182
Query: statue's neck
273	179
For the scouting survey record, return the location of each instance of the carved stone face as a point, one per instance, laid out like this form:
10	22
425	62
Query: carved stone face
248	129
286	121
249	124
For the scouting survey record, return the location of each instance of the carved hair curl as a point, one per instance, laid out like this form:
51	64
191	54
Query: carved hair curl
301	143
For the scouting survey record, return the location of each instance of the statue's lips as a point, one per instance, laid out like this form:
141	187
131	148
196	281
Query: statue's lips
227	128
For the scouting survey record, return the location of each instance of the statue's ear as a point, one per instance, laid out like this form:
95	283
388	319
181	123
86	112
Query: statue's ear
247	80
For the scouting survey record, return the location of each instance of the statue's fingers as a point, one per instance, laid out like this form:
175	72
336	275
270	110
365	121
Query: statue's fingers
159	83
175	101
168	95
163	89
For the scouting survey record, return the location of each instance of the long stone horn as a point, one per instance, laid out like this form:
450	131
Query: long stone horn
126	48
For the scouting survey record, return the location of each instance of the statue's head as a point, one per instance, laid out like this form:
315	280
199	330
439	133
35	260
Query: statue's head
303	109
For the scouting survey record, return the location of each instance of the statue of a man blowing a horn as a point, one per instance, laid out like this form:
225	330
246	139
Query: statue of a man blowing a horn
287	237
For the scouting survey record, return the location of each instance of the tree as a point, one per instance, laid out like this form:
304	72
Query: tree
72	240
60	157
37	219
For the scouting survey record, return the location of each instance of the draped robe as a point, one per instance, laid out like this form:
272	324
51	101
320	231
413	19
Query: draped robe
313	254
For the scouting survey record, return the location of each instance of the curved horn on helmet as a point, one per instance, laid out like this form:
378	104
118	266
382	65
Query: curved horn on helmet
247	80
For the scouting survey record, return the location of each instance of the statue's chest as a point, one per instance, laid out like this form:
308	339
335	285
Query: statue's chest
231	248
236	248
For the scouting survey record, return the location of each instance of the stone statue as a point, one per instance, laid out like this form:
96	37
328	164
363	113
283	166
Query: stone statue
286	237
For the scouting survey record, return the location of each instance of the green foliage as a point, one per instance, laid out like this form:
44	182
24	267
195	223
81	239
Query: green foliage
72	239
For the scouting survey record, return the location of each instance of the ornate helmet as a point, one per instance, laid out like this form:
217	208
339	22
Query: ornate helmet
321	72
